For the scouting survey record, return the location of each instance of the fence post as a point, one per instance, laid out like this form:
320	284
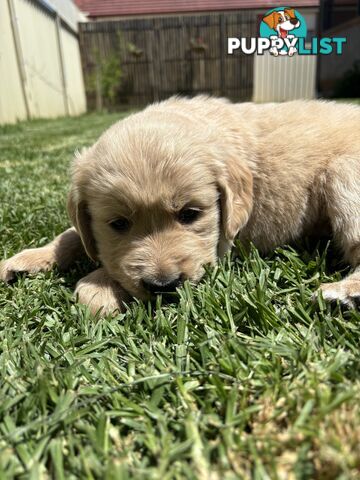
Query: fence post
99	98
19	57
157	64
61	60
151	56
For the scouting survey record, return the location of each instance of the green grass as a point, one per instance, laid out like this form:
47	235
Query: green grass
243	378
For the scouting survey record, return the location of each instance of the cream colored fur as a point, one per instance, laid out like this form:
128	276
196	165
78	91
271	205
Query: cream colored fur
268	174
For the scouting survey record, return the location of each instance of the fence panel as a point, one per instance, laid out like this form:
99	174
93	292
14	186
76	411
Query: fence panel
39	47
73	73
12	104
40	66
277	79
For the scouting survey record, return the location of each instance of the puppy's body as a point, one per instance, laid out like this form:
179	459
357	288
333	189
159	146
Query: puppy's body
267	173
301	151
296	152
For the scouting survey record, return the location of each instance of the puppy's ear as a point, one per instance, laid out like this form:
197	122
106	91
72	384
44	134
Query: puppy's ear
78	210
290	11
236	198
270	20
80	218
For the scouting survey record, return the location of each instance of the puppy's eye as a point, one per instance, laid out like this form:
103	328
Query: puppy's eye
280	20
287	17
121	224
188	215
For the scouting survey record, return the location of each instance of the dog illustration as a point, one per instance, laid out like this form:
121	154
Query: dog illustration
282	22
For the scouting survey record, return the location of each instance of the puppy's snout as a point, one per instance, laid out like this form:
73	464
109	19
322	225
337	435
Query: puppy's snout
163	285
294	21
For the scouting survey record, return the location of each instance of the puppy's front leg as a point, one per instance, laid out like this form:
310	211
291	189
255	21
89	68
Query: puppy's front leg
347	291
100	292
343	205
62	251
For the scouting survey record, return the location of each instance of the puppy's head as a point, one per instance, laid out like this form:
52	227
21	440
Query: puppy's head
282	21
152	201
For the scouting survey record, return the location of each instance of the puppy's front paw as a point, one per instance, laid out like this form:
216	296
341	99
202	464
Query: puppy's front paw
347	291
33	260
100	293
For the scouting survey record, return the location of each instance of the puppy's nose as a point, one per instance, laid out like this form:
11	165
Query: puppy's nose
163	285
294	21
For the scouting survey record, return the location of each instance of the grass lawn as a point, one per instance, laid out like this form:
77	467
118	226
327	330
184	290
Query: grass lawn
243	378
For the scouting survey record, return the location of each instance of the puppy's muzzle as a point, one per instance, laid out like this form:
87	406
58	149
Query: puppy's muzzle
164	285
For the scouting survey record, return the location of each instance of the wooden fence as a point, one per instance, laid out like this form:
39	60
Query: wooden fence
160	57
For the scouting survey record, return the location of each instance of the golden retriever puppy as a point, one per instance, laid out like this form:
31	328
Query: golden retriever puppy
165	192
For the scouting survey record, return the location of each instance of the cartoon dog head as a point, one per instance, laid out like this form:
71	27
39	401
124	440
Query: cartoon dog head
282	21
